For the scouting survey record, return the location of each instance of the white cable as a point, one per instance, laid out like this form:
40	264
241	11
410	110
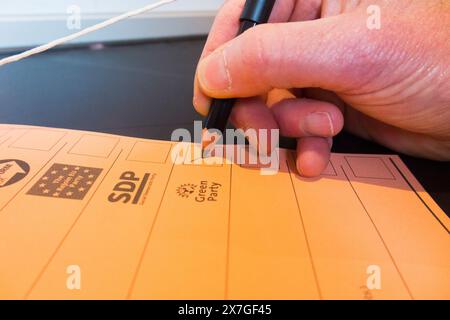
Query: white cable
81	33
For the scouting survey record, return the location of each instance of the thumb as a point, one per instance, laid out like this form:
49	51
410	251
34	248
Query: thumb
335	53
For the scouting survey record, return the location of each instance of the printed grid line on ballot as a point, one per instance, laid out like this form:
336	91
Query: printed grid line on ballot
135	225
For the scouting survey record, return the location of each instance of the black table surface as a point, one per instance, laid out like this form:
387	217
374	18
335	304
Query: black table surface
141	90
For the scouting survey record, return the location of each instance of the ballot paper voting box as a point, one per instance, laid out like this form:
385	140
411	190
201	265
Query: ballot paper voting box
95	216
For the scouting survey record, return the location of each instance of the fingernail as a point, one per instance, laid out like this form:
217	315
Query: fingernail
201	104
213	72
299	168
319	124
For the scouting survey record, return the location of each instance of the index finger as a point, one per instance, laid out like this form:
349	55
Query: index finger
226	24
225	28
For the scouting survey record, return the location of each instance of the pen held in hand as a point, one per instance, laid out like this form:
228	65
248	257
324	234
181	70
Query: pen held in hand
255	12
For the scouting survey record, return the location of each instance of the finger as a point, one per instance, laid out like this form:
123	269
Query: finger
225	28
324	53
313	155
333	8
200	101
304	118
226	23
306	10
326	96
252	116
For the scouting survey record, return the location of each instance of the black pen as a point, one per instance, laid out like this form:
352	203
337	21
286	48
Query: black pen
255	12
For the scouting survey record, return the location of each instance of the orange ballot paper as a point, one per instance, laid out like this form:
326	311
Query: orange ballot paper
95	216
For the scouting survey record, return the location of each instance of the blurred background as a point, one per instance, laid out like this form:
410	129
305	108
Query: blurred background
133	78
26	23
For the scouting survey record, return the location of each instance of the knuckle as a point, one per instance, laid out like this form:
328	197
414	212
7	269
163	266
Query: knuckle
261	49
257	44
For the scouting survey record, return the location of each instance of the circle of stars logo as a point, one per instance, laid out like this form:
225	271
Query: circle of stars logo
66	181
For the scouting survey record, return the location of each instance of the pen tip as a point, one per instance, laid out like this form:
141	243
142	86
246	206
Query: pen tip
211	140
206	139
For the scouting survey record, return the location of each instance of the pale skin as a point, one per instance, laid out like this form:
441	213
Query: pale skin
332	73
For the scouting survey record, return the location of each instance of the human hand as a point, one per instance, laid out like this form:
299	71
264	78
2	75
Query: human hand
390	85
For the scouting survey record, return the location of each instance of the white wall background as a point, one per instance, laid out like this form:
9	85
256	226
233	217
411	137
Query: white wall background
44	7
26	23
